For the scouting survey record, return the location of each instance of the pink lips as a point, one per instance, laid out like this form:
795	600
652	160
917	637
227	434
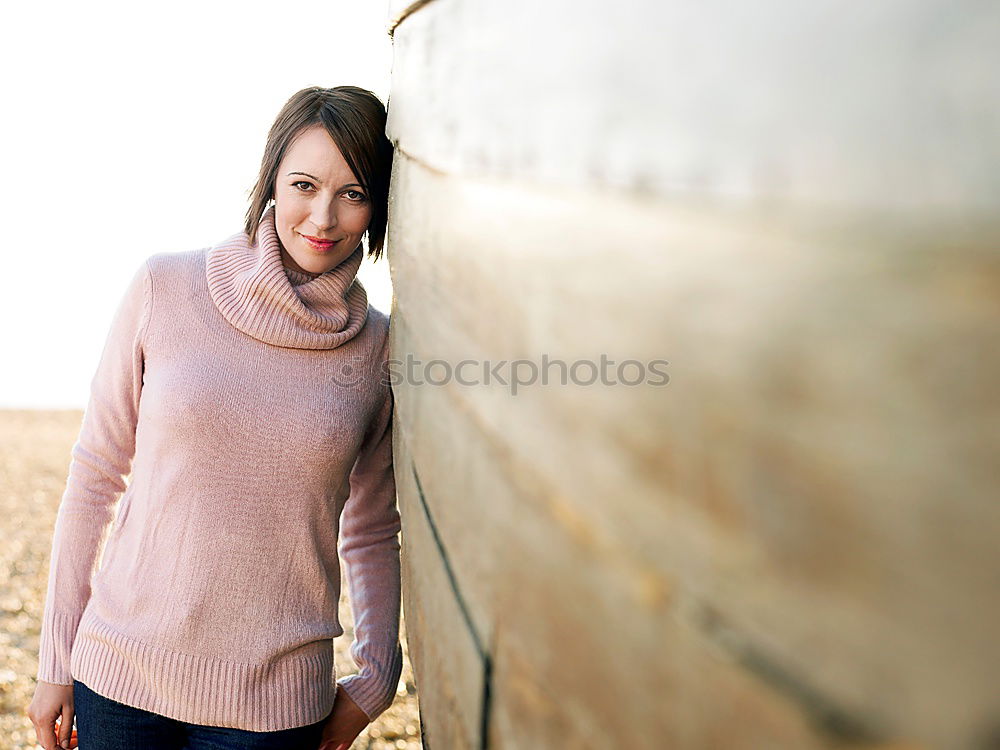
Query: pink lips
317	243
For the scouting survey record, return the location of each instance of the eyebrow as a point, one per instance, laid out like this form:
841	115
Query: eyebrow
349	184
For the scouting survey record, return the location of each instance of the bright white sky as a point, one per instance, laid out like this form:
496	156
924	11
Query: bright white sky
131	129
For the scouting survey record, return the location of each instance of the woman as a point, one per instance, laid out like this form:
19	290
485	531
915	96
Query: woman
243	385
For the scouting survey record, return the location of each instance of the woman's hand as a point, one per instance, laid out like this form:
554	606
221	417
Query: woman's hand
345	723
51	711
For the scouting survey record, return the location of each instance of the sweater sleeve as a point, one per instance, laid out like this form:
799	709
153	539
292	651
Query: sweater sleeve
370	551
100	460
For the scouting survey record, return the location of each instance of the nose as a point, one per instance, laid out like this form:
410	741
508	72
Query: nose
323	214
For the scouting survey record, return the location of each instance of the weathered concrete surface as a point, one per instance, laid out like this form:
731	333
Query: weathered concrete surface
890	104
790	545
451	667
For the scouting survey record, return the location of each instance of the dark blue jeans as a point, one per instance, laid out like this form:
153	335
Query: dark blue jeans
105	724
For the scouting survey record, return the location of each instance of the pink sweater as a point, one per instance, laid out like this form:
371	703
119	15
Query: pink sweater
249	402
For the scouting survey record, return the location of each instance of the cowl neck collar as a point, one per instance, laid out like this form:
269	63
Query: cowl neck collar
259	296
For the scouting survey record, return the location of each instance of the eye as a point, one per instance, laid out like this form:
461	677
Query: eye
356	196
300	183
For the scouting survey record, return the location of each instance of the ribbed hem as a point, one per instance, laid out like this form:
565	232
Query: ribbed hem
55	646
375	689
293	691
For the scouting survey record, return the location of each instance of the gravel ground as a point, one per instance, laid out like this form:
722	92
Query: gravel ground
34	463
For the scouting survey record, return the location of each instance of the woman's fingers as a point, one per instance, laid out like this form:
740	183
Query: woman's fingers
45	730
51	713
66	733
57	734
45	736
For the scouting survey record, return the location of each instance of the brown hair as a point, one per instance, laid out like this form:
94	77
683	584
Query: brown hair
355	119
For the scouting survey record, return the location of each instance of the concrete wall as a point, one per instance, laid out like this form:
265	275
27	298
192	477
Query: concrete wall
793	544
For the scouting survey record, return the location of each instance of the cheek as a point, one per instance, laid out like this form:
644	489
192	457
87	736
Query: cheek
360	218
287	216
290	210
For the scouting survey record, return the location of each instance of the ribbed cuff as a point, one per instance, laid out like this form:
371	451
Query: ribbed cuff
55	646
374	688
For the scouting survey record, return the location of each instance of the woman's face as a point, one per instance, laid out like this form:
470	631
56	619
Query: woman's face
321	211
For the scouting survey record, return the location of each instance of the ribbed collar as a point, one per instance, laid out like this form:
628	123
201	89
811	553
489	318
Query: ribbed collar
258	295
